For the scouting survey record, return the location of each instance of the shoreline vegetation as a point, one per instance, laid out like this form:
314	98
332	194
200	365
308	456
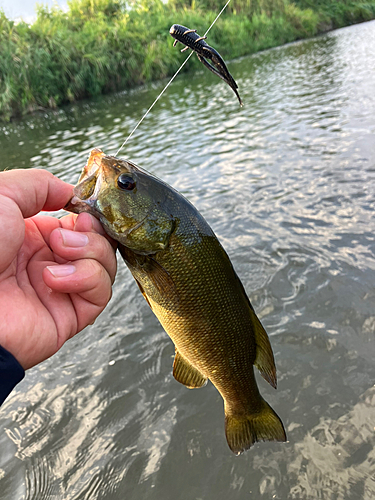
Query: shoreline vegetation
103	46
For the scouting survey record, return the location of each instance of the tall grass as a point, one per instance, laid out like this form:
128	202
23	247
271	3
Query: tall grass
101	46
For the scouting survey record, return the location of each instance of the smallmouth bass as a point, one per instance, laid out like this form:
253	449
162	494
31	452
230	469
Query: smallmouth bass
189	282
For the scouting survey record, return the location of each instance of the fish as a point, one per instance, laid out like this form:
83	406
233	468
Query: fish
197	43
189	282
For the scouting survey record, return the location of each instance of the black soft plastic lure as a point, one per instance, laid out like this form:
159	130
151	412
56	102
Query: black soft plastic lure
197	43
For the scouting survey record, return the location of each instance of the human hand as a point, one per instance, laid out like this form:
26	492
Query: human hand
55	274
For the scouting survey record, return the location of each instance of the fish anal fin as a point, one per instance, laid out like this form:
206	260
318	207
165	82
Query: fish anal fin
185	373
243	430
264	359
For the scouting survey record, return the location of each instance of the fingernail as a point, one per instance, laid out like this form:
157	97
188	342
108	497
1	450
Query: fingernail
61	271
73	238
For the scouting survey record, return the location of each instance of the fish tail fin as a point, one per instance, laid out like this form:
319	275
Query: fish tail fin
242	430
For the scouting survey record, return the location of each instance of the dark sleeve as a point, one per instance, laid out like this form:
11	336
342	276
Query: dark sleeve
11	372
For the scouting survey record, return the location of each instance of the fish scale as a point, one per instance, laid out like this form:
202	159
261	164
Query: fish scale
191	286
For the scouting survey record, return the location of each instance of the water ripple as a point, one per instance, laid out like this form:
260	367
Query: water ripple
287	183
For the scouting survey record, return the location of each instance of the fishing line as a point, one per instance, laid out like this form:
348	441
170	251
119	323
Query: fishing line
168	84
156	100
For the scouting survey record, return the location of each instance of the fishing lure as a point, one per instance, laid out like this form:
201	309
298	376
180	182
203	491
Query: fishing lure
197	43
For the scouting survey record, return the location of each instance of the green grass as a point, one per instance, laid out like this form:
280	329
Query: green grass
101	46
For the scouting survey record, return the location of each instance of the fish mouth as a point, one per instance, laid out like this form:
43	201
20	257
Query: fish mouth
93	164
97	174
85	193
74	200
77	205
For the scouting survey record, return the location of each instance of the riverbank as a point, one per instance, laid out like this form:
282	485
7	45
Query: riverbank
101	46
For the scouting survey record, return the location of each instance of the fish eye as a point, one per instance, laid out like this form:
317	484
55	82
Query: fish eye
125	182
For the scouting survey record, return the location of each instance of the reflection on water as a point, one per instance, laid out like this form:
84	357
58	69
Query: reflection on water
287	183
343	449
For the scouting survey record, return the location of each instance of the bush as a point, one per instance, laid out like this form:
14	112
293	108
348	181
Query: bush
101	46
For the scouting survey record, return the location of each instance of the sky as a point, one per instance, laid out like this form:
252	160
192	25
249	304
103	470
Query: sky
25	9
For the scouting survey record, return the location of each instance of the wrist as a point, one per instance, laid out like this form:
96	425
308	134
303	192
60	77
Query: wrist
11	373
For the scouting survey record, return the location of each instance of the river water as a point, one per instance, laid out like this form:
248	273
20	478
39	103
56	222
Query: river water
287	183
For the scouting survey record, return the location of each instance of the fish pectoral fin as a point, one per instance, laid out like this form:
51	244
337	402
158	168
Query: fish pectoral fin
143	292
185	373
264	360
146	265
160	277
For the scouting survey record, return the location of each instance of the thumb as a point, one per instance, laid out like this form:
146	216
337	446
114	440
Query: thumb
24	193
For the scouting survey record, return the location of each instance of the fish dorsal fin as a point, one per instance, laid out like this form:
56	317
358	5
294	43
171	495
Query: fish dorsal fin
264	359
185	373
